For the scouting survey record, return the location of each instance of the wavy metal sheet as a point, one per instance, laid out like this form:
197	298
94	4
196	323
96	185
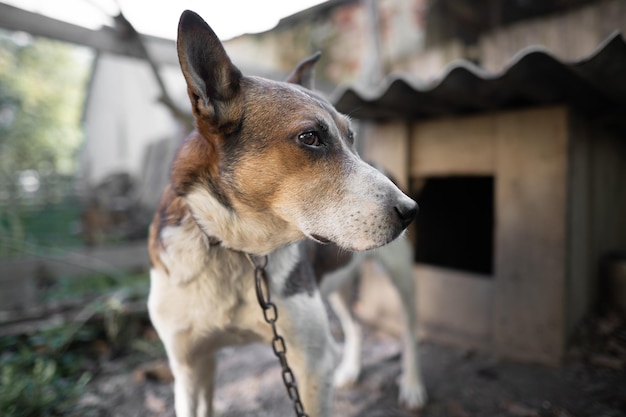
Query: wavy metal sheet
534	78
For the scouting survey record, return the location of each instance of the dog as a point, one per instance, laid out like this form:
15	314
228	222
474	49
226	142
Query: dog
268	165
335	270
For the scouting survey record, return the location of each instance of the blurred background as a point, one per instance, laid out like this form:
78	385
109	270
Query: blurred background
504	119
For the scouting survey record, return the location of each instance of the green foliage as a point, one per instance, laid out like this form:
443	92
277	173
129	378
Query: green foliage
42	88
42	92
36	381
44	374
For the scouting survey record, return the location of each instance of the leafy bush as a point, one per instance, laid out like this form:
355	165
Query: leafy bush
35	383
44	374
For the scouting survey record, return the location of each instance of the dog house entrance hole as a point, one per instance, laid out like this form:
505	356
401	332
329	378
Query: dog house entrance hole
455	223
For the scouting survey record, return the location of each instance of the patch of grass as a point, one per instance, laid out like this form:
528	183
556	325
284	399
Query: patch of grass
37	380
44	374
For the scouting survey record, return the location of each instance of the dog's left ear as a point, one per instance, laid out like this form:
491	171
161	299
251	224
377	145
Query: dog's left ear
213	82
304	73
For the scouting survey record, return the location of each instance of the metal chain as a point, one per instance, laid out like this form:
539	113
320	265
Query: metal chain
270	314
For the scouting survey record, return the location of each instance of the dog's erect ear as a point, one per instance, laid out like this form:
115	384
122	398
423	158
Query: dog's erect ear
213	82
304	73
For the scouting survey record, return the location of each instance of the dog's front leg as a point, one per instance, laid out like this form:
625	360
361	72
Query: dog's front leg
193	366
193	386
349	368
190	355
311	350
397	261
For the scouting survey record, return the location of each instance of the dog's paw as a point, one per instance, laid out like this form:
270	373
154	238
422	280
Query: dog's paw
346	374
412	394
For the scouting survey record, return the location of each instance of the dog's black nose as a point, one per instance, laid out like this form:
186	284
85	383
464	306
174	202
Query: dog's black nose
406	212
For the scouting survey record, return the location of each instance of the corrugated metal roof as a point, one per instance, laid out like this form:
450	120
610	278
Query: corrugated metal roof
534	78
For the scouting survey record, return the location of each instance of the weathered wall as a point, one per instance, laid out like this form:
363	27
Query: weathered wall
608	189
520	312
454	146
342	32
122	98
571	35
581	271
529	285
597	205
387	145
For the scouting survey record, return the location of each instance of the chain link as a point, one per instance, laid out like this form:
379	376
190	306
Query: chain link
270	314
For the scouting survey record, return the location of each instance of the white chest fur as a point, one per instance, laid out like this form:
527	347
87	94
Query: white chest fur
208	291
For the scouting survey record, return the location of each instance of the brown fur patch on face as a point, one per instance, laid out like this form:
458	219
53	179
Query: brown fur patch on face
266	166
197	162
285	181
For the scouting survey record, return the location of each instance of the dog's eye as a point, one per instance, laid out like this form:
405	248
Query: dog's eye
350	137
309	139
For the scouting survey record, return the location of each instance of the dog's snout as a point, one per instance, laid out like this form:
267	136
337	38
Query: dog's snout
406	212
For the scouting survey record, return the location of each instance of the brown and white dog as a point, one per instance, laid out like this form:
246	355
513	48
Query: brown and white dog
269	164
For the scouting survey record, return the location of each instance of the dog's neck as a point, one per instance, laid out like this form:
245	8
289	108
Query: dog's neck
252	233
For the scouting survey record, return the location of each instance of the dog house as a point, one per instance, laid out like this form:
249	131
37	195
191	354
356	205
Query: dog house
521	180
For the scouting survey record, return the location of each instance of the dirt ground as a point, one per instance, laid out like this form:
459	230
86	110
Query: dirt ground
459	384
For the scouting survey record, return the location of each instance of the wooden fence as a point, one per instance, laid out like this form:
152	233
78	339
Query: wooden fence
19	278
